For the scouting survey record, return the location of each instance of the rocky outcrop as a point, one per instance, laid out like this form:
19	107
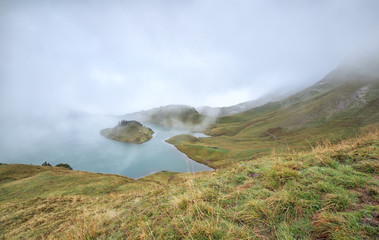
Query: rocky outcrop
128	131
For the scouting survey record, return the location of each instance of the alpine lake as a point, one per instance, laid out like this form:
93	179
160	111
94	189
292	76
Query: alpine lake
76	140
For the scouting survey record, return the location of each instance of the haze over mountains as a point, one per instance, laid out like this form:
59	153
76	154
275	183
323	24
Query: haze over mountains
338	106
241	107
359	70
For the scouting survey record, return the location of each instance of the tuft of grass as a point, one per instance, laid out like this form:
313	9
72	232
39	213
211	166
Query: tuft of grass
331	226
279	174
339	200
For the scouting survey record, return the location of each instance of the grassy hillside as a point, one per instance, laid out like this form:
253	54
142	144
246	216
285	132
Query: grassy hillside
330	192
335	108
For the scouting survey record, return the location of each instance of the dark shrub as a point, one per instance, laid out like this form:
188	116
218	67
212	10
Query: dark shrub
64	165
45	164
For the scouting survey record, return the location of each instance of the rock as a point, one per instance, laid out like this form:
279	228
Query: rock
253	175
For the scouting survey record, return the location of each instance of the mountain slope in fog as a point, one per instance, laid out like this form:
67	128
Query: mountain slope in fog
195	119
344	101
241	107
173	116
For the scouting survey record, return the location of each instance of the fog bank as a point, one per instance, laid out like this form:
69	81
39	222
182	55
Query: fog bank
116	57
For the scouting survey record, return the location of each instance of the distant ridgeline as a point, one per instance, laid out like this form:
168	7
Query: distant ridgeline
128	131
169	116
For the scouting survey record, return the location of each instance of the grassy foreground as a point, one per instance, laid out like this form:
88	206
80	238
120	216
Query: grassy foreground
330	192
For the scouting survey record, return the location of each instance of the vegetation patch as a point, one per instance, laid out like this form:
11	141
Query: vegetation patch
64	165
128	131
183	138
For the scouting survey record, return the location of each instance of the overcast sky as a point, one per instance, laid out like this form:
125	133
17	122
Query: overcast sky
116	57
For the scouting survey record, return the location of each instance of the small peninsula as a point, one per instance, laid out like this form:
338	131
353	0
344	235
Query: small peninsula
128	131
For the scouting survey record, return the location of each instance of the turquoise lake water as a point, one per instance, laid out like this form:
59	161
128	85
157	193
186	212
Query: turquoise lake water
77	141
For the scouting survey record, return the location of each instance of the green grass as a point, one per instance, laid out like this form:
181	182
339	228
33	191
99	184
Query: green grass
330	192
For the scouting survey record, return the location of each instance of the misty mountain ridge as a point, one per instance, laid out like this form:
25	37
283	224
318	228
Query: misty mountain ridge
350	85
172	116
338	106
197	118
341	90
244	106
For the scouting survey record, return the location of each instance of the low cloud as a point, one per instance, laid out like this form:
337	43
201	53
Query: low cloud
116	57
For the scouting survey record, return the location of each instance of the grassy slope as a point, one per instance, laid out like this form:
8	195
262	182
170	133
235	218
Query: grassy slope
332	109
330	192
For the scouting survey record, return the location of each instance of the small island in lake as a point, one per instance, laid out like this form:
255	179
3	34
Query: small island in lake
128	131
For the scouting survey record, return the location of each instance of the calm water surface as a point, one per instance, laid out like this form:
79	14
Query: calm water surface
76	140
